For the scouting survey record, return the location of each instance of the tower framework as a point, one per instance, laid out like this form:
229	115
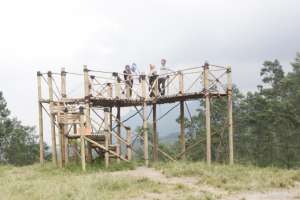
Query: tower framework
85	123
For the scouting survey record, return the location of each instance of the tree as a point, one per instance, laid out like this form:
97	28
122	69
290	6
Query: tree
18	144
266	122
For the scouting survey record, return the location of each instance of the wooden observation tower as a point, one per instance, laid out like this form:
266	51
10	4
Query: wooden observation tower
85	124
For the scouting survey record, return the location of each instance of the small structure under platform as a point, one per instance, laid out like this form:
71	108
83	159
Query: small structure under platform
88	128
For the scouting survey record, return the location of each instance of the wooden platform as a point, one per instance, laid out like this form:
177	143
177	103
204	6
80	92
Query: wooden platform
115	102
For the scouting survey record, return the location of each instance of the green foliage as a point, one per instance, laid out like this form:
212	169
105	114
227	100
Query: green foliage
266	122
18	144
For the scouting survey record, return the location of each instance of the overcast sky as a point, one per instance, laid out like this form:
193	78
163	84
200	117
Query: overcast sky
47	35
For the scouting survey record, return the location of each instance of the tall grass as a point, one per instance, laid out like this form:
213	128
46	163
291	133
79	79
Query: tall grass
232	178
35	182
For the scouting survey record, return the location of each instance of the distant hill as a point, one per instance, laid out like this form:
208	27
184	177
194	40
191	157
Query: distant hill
169	138
167	126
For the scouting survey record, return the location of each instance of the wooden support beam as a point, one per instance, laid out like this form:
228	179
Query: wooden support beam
107	132
230	121
65	141
82	142
207	114
159	150
61	145
117	85
75	146
110	94
104	148
52	120
145	124
181	83
182	129
40	113
129	145
87	94
119	129
155	136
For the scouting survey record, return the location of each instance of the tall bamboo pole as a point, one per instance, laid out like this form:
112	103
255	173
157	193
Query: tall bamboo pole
109	94
145	128
182	131
119	130
230	121
129	147
82	142
65	140
40	108
207	114
52	120
107	132
61	145
155	136
117	85
75	146
87	94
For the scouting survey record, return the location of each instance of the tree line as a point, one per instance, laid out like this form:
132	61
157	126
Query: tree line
18	143
266	121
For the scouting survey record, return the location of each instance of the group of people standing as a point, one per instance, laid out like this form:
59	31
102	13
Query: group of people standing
153	75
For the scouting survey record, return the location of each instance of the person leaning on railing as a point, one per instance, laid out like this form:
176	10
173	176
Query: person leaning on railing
128	78
164	71
152	77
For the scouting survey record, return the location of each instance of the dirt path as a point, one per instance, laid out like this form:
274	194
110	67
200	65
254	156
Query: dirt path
278	194
198	191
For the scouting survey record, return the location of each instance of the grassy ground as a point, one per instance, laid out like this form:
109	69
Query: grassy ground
36	182
233	178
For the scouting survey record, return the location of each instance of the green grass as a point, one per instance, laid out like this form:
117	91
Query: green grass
48	182
232	178
35	182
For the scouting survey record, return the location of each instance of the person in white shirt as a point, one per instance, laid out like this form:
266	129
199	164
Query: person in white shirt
152	77
164	75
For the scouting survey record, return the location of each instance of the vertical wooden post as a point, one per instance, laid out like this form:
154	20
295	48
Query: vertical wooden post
117	85
65	140
52	120
129	147
127	90
145	128
154	122
75	146
155	136
182	131
207	114
40	108
109	94
82	142
230	121
61	145
107	132
87	94
119	129
181	83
